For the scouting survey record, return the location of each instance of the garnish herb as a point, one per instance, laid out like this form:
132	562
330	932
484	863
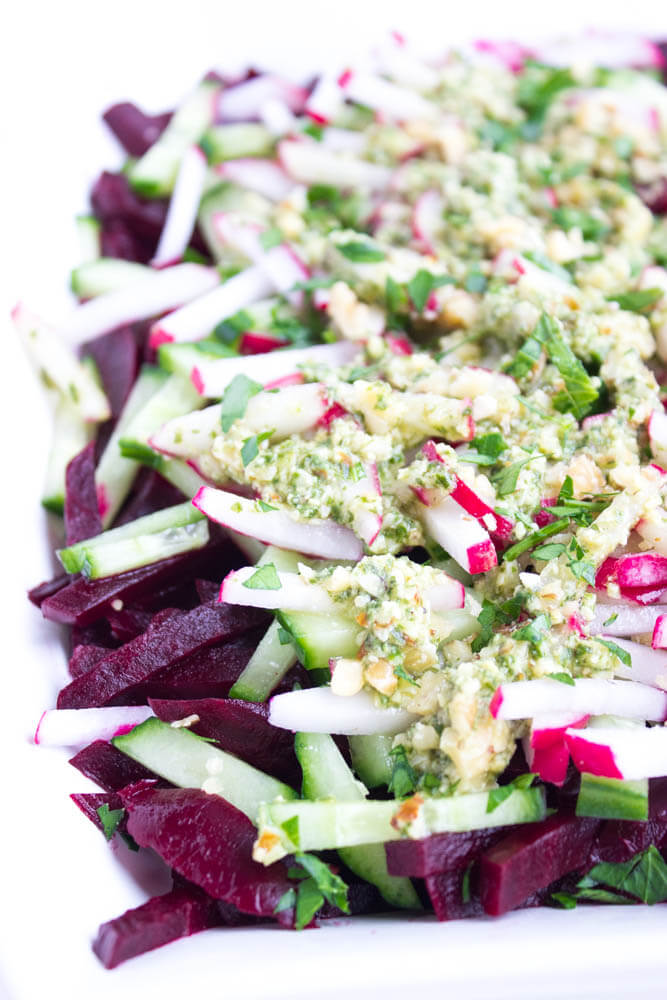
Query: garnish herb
493	615
317	883
110	819
403	777
250	447
264	578
639	300
562	677
361	253
622	654
498	795
533	631
235	400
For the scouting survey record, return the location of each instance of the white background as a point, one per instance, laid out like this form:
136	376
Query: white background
61	64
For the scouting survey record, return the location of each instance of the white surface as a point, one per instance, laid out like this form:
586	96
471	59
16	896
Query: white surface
61	64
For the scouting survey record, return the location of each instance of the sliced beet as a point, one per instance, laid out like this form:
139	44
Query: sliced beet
96	634
208	673
162	645
135	130
118	240
82	514
116	355
176	914
86	601
239	727
109	768
37	595
209	842
84	657
151	493
442	852
618	839
657	799
127	623
112	198
531	858
207	590
454	894
90	802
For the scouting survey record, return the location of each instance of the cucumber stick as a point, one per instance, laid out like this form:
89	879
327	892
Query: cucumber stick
371	758
154	173
156	536
330	825
180	359
191	762
230	142
107	274
266	667
88	231
115	474
610	798
228	197
175	397
325	773
70	435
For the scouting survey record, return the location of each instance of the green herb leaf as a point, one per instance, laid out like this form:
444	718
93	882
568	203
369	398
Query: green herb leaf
291	828
395	296
419	288
284	637
265	506
250	447
286	901
530	541
465	884
561	676
475	282
526	358
360	252
493	615
622	654
400	671
270	238
533	631
610	620
264	578
566	900
331	885
583	570
235	400
644	876
639	300
109	818
579	393
506	480
308	901
403	776
592	228
497	796
541	260
551	551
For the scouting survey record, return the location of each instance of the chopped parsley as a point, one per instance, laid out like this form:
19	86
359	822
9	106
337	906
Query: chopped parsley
264	578
250	447
403	776
110	819
235	400
639	300
360	252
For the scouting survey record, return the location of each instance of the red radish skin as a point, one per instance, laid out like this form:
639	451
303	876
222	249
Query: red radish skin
280	383
646	569
260	343
659	639
593	758
398	345
496	702
550	763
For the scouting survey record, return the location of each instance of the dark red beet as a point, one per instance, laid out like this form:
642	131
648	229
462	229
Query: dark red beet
207	590
446	892
82	515
618	840
86	601
442	852
532	857
118	240
129	622
90	802
209	842
37	595
209	673
116	355
241	728
109	768
112	198
176	914
135	131
84	657
657	799
96	634
654	196
162	645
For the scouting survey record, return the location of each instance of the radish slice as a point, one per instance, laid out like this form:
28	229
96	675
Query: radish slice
189	435
75	727
644	569
325	101
254	342
461	535
589	695
245	101
196	320
293	594
659	638
649	666
396	60
309	163
183	208
154	294
545	730
319	710
657	435
395	102
59	366
280	264
364	498
613	50
621	619
343	140
427	220
549	762
263	176
324	539
276	116
211	378
620	753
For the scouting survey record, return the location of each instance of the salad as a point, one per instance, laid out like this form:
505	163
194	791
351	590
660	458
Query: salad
360	449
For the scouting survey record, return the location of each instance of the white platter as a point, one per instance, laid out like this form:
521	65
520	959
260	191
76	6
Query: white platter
64	63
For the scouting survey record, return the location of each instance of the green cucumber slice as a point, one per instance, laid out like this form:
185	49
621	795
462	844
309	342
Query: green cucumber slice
611	798
371	758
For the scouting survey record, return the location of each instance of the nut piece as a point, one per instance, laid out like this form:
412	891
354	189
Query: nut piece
380	676
347	676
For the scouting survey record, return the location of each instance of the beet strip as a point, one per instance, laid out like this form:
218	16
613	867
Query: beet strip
160	646
442	852
90	802
37	595
84	657
86	601
162	919
531	858
116	355
241	728
210	842
82	515
109	768
135	130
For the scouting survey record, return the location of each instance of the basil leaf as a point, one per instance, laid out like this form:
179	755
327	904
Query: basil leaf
493	615
419	289
526	358
592	228
561	676
235	400
492	444
506	480
360	252
286	901
110	819
250	447
583	570
644	876
622	654
308	901
639	300
566	900
264	578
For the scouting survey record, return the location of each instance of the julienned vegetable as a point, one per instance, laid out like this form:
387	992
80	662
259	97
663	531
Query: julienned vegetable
373	371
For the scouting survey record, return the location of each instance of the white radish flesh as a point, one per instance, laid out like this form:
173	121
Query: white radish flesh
262	176
74	727
587	696
183	207
245	100
309	163
397	103
649	666
461	535
293	594
319	710
620	753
